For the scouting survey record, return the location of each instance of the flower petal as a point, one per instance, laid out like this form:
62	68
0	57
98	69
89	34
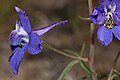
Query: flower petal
24	19
116	15
104	35
116	31
42	31
16	58
13	47
116	19
97	16
35	45
105	2
14	38
117	12
115	1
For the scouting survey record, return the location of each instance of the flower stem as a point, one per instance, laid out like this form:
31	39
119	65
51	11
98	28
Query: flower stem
92	52
63	53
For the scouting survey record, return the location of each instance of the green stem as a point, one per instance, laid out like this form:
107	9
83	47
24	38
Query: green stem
92	52
65	54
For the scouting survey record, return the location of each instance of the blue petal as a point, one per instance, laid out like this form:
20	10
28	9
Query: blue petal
116	19
35	44
101	1
13	47
104	35
42	31
116	15
117	11
24	19
116	31
14	38
107	2
115	1
97	16
15	58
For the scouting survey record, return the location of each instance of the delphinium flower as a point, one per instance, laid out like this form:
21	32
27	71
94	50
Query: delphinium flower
23	38
107	15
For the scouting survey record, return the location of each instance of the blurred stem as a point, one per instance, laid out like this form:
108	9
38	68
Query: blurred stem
82	18
65	54
110	75
115	60
92	52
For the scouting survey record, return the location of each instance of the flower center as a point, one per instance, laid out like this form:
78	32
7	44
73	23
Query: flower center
109	23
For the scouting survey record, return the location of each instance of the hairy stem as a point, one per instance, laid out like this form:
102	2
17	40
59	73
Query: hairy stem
92	52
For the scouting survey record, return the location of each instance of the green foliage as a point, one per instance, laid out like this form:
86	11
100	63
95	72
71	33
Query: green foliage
71	52
82	50
85	67
67	69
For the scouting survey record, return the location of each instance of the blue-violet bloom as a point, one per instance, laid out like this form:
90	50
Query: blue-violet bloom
23	38
107	15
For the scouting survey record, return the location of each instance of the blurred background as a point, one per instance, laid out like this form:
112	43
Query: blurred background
48	65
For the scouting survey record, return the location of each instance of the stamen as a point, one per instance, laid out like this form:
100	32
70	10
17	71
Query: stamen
21	44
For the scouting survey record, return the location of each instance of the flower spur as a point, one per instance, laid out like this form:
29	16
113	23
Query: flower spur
107	15
23	38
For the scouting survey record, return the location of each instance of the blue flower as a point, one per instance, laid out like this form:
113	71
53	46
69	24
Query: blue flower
23	38
107	15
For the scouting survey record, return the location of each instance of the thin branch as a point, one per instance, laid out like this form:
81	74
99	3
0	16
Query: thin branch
92	52
65	54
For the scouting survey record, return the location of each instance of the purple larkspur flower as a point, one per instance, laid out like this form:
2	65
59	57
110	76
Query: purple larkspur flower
23	38
107	15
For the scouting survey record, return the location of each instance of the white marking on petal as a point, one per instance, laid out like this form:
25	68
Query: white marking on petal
17	9
26	39
105	9
109	11
113	8
20	31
